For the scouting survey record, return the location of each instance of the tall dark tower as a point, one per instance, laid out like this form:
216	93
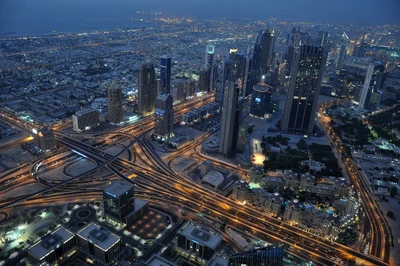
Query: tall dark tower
114	104
147	90
224	72
266	256
164	118
305	82
227	144
165	65
267	50
256	67
209	62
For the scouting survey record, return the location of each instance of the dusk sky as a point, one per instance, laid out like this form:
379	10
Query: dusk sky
336	11
38	16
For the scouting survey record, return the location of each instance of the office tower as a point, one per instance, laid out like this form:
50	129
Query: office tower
147	90
260	100
343	51
44	140
227	144
267	51
164	120
198	242
352	45
265	256
190	87
256	67
209	63
246	90
239	67
224	72
114	104
118	201
51	247
302	98
165	73
99	243
371	91
295	39
203	79
178	90
242	117
322	38
85	119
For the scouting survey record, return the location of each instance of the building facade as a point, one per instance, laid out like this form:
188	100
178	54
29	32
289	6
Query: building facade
118	201
266	256
85	119
165	73
115	104
302	98
44	140
260	100
147	90
164	118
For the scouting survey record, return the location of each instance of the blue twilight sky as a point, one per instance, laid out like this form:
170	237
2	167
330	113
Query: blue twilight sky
32	15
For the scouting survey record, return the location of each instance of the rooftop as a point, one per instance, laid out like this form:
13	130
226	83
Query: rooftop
50	242
156	260
118	188
85	111
201	235
99	236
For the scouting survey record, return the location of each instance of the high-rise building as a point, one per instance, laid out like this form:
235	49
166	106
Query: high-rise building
114	104
118	200
352	45
165	73
260	100
322	38
239	67
256	66
147	90
302	98
267	50
44	140
164	119
295	39
265	256
99	243
224	72
246	90
234	121
371	92
227	143
85	119
209	63
198	242
343	51
203	79
190	87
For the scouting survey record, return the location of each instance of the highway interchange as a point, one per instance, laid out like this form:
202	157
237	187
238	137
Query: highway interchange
157	183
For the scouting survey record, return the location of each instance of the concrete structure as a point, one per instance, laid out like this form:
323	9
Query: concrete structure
164	118
371	92
157	260
114	104
198	243
99	243
302	98
44	140
147	90
85	119
240	191
267	51
209	62
52	246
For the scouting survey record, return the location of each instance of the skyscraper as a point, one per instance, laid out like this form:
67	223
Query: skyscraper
260	100
322	38
203	79
165	73
118	200
224	72
164	119
267	50
114	104
227	144
266	256
343	51
234	121
305	82
371	91
256	66
209	62
44	140
147	90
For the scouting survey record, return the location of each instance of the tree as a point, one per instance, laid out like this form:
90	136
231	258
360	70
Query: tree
301	145
393	191
390	214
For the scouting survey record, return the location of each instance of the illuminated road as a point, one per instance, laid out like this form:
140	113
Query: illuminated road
380	234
